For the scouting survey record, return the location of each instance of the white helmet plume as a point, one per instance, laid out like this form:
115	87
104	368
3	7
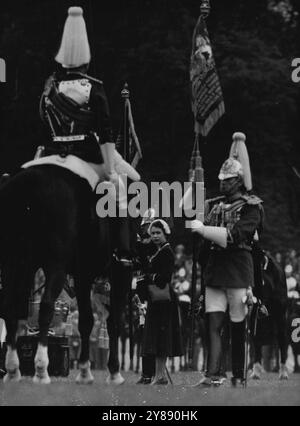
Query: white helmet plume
74	50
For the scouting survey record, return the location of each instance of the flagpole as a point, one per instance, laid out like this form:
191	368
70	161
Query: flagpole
196	174
125	94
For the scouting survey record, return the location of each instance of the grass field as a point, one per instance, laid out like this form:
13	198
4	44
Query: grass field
64	392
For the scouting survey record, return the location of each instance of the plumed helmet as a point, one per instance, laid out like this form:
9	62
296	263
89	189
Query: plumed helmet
231	168
238	164
148	216
74	50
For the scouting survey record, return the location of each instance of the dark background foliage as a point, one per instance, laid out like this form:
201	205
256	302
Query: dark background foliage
147	43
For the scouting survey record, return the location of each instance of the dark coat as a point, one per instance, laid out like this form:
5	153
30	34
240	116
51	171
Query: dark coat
162	333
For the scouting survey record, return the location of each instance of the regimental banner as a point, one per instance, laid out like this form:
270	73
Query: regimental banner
207	97
132	151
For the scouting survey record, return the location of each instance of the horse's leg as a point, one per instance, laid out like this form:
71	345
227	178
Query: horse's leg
123	340
118	297
138	352
12	364
55	278
85	326
113	359
15	295
282	326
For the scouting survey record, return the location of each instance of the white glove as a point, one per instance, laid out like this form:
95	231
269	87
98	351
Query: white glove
113	177
249	299
197	226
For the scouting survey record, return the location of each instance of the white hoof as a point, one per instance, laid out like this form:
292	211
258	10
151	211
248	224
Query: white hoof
85	376
41	378
115	379
256	372
12	376
41	362
12	365
283	372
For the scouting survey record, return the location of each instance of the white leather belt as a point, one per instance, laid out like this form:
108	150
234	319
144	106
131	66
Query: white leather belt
69	138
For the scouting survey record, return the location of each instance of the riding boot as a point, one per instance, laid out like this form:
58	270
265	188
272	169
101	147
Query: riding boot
216	322
238	349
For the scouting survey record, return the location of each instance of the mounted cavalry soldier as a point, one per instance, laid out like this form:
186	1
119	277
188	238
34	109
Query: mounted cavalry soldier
75	110
231	223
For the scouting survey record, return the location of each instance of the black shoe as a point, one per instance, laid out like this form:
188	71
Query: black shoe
144	380
208	382
238	382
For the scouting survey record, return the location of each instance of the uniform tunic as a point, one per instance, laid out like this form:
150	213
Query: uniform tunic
232	267
74	105
162	333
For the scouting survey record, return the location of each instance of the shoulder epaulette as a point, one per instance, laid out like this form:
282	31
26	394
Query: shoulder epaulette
252	200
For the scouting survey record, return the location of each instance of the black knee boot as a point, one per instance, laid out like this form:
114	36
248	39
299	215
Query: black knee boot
238	348
216	322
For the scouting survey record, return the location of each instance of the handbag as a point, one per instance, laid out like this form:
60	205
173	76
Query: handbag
158	294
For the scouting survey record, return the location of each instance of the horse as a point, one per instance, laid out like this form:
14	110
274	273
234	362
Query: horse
120	280
47	220
270	288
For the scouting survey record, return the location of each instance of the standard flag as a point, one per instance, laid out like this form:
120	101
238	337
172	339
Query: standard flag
207	98
132	150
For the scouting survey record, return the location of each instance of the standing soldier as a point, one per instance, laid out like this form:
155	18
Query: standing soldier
231	222
145	248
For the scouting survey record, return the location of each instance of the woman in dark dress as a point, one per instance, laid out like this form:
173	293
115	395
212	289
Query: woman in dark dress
162	333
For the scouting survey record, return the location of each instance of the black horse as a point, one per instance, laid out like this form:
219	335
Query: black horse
271	290
48	220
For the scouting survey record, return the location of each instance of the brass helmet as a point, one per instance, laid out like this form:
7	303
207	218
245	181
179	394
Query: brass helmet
237	165
231	168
